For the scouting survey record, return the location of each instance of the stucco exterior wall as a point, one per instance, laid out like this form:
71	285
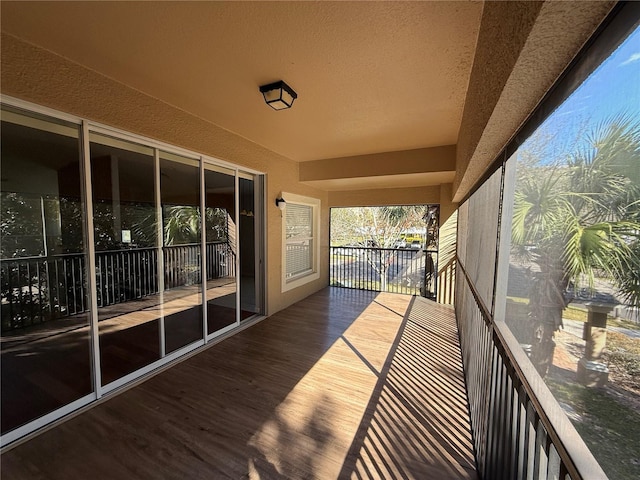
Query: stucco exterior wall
435	159
36	75
385	196
522	49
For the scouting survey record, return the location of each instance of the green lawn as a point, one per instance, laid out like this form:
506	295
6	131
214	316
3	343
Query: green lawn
609	427
610	430
579	313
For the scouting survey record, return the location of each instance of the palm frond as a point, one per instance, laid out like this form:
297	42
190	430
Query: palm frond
628	279
600	247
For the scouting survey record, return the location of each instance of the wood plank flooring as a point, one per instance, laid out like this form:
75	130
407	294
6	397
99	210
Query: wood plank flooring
345	384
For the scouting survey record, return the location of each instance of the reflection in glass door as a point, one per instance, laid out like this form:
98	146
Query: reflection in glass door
158	247
125	236
45	360
220	226
181	234
251	242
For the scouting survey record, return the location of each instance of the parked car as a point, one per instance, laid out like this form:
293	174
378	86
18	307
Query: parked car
416	245
400	244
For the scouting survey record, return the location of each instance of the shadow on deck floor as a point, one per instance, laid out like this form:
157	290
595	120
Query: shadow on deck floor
344	384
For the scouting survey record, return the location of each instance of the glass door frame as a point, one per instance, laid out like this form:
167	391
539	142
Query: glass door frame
85	128
260	240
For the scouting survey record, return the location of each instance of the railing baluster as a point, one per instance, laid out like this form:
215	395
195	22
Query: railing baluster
65	285
540	465
531	447
49	290
83	284
39	289
30	290
39	292
144	278
113	277
9	275
137	274
368	268
130	274
121	284
20	297
517	433
75	286
57	307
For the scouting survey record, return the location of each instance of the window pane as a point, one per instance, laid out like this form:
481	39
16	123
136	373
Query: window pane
299	220
249	234
220	225
182	300
299	257
570	256
46	356
125	230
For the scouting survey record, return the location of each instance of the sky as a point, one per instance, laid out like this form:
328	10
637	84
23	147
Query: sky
613	88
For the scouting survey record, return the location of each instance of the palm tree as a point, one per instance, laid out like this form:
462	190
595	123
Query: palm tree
182	224
578	220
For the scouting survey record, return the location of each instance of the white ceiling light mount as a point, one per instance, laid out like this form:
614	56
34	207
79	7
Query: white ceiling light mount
278	95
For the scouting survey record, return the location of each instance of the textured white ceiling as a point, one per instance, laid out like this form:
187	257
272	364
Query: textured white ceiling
371	76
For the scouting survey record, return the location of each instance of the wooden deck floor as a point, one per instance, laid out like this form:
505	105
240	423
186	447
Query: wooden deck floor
345	384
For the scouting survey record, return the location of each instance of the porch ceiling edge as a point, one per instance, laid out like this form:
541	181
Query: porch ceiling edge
523	47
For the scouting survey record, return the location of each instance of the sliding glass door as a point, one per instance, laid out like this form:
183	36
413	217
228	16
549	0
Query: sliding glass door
251	241
112	245
45	360
221	234
148	224
181	307
125	230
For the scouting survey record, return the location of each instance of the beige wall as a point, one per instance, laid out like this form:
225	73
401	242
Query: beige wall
385	196
522	49
36	75
436	159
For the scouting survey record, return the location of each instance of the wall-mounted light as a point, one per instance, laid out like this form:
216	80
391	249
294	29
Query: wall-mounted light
278	95
281	203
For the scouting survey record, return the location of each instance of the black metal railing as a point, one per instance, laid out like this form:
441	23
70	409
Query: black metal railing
446	282
124	275
37	289
407	271
519	430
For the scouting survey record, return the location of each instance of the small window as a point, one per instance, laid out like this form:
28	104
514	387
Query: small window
300	229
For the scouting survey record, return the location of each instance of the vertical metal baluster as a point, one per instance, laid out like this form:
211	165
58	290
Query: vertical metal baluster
83	293
30	289
50	288
120	284
136	281
81	289
65	285
145	275
114	279
58	297
73	287
10	289
100	283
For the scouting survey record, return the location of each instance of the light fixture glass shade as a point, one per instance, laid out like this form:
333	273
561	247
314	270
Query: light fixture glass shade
278	95
281	203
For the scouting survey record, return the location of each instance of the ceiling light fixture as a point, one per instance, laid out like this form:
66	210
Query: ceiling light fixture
278	95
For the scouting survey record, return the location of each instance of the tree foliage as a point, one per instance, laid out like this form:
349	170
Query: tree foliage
382	226
579	218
